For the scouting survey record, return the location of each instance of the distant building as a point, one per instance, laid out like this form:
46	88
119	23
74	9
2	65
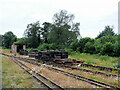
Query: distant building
16	47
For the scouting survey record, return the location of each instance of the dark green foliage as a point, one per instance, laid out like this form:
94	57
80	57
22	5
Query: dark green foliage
64	31
82	42
89	48
108	31
117	46
44	47
74	45
33	35
46	30
101	41
107	49
20	41
70	51
52	46
105	39
8	39
98	45
1	40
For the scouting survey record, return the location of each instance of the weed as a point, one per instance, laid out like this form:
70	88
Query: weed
95	59
104	57
14	77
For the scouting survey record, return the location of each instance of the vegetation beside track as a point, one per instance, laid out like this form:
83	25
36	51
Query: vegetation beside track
97	77
59	78
101	78
96	59
14	77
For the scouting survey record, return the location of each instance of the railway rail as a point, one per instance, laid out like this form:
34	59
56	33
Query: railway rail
75	68
101	67
96	66
91	81
47	82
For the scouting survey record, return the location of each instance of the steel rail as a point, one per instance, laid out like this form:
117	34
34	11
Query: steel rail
101	84
47	82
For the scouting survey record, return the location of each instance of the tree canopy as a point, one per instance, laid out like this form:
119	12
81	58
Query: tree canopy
33	35
0	40
63	31
108	31
8	39
63	34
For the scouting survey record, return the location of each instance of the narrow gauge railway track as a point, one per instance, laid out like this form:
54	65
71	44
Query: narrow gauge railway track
101	67
47	82
91	81
88	65
74	68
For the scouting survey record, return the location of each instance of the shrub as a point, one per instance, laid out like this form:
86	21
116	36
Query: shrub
74	45
82	42
117	49
70	51
107	49
97	45
89	48
44	46
52	46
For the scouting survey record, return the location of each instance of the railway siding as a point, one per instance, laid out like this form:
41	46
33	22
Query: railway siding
89	80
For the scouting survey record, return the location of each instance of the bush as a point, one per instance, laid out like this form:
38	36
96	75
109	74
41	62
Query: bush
52	46
82	42
97	45
107	49
89	48
74	45
70	51
43	47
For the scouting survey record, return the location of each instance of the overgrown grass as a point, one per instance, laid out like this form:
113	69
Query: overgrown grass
97	77
14	77
96	59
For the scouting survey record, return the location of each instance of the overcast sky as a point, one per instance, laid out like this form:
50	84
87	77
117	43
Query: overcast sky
93	15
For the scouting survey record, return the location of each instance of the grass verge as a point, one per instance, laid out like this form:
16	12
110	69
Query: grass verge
15	77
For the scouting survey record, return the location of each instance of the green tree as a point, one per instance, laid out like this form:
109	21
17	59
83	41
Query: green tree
117	46
8	39
82	42
89	48
108	31
64	31
107	49
1	40
33	35
74	45
45	31
98	45
20	40
101	41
